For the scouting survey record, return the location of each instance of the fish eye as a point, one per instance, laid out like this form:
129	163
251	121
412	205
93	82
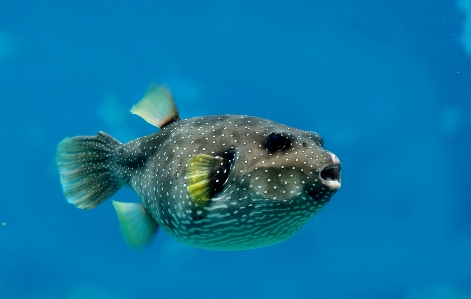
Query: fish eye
276	142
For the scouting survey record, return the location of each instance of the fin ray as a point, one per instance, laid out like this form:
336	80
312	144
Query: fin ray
85	168
205	177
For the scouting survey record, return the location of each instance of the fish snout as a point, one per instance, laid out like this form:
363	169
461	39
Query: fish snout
330	174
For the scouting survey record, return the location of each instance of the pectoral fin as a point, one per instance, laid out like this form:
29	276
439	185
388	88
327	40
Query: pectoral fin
206	176
137	227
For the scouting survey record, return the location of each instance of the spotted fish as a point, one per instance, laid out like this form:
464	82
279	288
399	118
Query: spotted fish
223	182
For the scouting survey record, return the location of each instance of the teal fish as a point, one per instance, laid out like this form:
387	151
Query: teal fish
223	182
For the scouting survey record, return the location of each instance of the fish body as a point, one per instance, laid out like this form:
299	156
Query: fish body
224	182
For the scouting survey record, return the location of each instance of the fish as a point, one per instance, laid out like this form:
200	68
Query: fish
220	182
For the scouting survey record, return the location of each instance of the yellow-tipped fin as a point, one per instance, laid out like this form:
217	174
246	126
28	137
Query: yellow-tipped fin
137	227
205	177
157	106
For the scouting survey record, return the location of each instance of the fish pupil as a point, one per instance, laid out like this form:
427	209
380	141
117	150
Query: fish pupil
276	142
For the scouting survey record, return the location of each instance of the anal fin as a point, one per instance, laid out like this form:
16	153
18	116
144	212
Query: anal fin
137	227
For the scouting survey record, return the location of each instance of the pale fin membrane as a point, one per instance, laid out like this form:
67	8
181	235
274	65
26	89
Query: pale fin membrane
137	227
157	106
86	169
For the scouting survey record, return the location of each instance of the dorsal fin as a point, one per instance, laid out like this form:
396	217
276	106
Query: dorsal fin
157	106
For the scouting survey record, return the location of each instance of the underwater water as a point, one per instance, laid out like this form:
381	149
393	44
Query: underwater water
386	83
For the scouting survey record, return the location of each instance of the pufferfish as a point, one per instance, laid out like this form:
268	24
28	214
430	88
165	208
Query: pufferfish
222	182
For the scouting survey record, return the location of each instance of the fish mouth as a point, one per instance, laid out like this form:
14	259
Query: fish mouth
330	175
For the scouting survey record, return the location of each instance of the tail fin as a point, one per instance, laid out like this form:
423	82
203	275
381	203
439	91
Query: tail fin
86	169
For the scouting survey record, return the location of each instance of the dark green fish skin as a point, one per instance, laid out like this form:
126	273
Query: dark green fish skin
267	197
275	178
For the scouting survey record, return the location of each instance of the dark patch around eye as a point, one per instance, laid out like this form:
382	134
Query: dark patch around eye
277	142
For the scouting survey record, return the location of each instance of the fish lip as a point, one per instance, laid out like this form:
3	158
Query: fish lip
330	175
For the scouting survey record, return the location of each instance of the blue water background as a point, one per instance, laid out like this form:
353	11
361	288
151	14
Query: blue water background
387	84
